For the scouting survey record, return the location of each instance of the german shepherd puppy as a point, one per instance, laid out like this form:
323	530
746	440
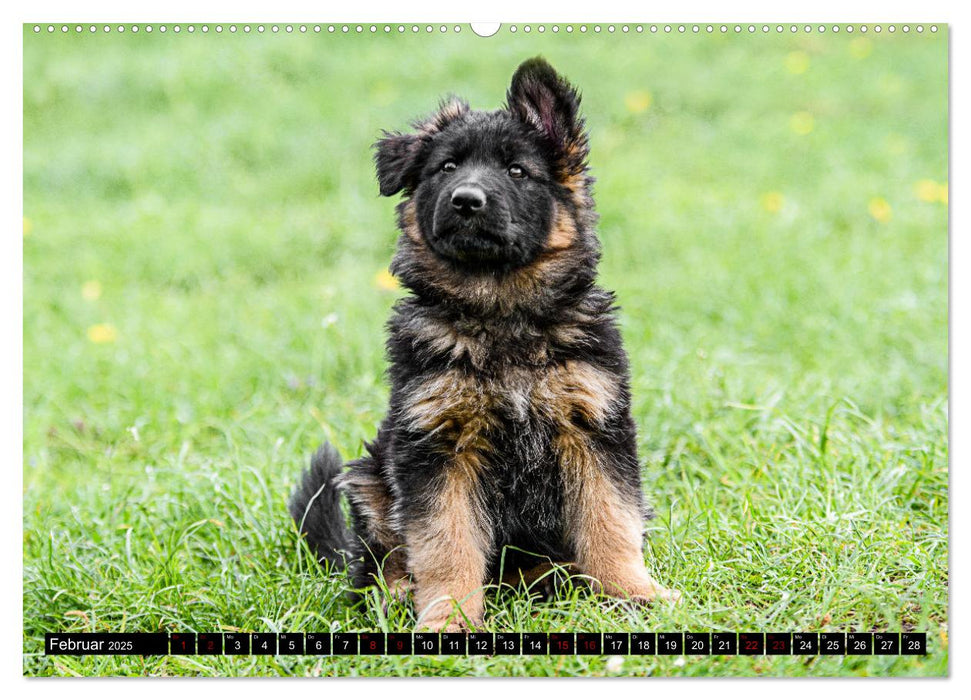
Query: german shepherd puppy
509	440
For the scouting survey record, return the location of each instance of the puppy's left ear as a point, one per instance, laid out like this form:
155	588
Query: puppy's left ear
549	104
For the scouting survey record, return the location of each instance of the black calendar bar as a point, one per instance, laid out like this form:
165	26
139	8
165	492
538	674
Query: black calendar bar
832	643
236	644
183	643
317	643
481	644
886	643
490	644
643	643
263	643
344	643
453	643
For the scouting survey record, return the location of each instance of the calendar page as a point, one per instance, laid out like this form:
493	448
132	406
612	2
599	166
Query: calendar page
514	349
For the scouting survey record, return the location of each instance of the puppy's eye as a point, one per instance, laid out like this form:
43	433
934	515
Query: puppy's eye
516	171
449	166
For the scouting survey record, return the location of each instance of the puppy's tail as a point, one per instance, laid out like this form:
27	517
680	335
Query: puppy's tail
315	507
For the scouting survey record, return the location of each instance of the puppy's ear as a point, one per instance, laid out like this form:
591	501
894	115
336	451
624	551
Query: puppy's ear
548	103
399	157
396	160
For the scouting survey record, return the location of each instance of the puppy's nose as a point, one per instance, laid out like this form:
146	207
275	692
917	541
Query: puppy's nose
468	199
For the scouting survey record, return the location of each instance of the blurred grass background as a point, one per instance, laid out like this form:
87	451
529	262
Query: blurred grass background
205	293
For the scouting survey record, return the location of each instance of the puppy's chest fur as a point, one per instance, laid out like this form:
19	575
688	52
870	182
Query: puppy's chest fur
478	384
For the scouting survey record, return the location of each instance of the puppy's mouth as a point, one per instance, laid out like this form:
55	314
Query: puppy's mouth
472	241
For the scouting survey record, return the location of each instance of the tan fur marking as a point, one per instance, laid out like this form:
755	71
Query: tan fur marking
409	220
578	183
374	502
604	527
564	231
576	386
549	266
567	334
455	405
462	408
555	263
447	556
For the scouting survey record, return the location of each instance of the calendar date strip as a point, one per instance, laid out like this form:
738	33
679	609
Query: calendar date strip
488	644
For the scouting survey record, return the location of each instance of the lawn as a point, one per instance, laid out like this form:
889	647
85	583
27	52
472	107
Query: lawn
205	291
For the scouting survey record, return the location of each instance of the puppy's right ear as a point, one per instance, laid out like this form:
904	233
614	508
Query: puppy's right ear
399	157
396	160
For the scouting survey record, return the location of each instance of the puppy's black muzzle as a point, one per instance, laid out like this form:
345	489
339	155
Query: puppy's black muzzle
471	221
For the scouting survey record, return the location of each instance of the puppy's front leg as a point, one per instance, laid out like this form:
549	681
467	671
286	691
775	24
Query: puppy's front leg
605	525
447	551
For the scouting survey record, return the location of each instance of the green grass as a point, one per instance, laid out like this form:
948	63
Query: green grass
789	350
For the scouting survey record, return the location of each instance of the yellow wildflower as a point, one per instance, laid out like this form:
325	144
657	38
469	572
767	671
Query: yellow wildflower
772	202
385	280
91	290
880	210
637	101
802	123
926	190
797	62
101	333
861	47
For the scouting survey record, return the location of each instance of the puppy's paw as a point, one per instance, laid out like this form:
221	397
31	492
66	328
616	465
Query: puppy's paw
644	591
447	614
669	595
645	595
449	624
453	626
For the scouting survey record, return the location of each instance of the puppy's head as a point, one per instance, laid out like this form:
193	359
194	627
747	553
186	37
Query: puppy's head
483	188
